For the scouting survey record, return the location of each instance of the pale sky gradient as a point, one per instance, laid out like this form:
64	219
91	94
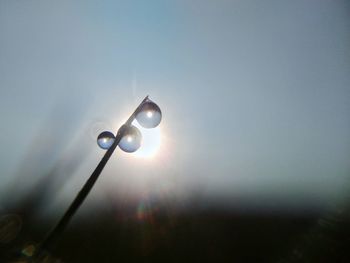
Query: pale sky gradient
255	98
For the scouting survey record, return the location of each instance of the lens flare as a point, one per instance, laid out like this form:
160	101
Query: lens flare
151	141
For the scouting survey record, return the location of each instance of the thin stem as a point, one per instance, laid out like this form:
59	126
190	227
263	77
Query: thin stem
51	238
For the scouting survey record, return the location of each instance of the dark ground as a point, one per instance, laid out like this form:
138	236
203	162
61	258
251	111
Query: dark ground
210	235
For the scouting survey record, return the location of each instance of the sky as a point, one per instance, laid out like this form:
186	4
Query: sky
255	97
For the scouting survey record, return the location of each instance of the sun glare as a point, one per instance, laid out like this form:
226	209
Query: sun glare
151	140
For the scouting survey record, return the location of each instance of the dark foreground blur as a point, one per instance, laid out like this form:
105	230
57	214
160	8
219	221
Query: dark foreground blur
143	234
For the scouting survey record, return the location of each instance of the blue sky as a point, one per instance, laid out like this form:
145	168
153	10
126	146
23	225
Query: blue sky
255	97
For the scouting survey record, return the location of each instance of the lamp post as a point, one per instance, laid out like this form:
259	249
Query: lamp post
128	138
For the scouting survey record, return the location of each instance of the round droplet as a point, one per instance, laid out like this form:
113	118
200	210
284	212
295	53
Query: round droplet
105	140
96	126
131	139
150	115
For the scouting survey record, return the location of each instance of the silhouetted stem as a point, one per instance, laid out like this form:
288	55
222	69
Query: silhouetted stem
51	238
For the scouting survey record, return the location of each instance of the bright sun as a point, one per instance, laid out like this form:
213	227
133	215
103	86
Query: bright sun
151	140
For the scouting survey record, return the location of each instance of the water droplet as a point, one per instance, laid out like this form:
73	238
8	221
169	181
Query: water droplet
105	140
98	126
149	115
131	139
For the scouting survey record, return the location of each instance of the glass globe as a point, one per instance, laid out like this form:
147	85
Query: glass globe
105	140
149	115
131	140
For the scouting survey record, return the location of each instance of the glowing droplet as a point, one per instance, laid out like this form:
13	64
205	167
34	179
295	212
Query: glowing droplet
131	139
105	140
149	115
